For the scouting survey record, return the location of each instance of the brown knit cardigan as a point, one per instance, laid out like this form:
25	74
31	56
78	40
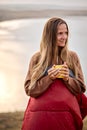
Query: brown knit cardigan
76	86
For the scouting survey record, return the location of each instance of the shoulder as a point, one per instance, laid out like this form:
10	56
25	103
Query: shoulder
35	57
73	55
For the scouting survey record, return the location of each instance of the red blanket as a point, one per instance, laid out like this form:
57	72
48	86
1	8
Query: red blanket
82	100
56	109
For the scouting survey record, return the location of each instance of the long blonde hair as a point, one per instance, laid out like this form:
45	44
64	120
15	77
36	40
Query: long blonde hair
49	49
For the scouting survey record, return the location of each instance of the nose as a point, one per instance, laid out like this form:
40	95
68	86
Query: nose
64	35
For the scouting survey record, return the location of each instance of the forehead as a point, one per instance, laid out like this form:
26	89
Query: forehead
62	27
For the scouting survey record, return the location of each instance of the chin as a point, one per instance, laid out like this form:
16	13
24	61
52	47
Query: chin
61	45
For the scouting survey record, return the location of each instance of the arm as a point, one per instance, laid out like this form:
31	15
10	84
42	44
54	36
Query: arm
76	85
40	86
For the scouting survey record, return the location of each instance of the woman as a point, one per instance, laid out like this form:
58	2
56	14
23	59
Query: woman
53	104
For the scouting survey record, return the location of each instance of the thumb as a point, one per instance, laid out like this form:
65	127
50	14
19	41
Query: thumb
64	63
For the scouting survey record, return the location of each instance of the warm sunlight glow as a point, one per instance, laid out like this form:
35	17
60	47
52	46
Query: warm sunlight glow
11	25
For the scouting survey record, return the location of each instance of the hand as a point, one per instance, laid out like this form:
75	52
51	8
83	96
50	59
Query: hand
52	72
65	72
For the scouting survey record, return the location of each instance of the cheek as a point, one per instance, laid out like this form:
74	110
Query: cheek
58	38
66	37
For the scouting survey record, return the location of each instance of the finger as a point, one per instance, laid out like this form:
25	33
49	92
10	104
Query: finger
65	69
52	76
53	71
64	63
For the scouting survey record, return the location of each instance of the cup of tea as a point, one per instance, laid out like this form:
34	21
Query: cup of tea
59	67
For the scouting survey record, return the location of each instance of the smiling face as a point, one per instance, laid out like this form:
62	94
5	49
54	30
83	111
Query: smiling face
62	35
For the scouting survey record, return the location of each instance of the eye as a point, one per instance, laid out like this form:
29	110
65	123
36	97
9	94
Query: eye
59	33
66	33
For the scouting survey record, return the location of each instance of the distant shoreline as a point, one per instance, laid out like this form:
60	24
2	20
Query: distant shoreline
9	14
20	11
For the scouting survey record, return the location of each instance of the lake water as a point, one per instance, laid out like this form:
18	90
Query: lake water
19	40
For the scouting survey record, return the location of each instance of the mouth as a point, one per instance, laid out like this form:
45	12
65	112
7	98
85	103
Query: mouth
62	41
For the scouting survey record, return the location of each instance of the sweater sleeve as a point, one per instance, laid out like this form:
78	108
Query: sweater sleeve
40	86
76	85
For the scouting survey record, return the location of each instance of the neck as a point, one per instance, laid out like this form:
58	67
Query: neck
59	51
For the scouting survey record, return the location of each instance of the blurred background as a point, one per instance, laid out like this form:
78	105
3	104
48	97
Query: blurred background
21	26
